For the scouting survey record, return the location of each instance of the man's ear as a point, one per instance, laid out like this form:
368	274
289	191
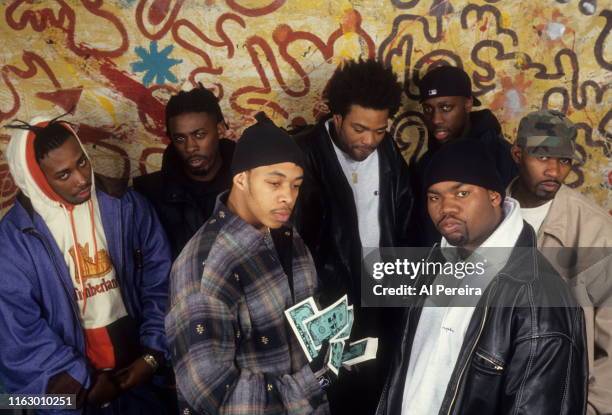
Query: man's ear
337	120
517	153
240	181
469	103
221	128
495	198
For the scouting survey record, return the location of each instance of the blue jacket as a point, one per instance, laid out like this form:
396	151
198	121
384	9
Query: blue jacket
40	331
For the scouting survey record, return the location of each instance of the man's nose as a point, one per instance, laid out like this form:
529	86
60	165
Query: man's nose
286	195
80	178
191	145
553	168
448	206
369	139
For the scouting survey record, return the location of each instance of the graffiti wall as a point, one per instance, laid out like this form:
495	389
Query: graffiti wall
115	63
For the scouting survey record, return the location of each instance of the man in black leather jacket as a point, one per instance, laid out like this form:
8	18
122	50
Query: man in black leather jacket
521	349
195	166
356	194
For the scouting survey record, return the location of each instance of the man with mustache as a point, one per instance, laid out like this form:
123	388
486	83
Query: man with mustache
447	101
563	219
233	350
195	165
356	197
517	346
84	268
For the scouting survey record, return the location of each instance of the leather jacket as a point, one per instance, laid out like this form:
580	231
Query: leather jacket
326	218
519	359
326	215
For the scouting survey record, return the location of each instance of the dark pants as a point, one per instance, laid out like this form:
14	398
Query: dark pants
141	400
357	391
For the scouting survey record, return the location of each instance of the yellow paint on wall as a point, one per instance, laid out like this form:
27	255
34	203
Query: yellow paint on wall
521	55
108	106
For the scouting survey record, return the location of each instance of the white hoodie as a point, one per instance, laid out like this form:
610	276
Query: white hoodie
441	330
80	226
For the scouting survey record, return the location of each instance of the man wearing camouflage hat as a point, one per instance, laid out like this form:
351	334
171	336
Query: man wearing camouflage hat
564	219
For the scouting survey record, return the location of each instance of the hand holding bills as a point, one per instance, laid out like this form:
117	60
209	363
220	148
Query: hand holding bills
334	323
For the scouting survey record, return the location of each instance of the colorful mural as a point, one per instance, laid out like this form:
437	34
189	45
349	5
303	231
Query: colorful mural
115	63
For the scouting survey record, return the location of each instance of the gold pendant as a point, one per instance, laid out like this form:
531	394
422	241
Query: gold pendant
354	178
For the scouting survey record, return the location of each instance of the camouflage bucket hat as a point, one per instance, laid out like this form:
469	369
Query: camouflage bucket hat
548	133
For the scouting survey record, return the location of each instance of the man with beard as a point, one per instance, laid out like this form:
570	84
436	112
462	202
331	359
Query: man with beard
447	101
195	166
84	271
356	197
233	350
518	345
562	218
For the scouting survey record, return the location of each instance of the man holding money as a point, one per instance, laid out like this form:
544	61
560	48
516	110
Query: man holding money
232	347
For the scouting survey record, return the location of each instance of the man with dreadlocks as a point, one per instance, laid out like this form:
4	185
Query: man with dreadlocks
84	279
356	196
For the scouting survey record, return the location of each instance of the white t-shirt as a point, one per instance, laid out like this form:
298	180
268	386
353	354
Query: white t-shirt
441	330
363	178
535	216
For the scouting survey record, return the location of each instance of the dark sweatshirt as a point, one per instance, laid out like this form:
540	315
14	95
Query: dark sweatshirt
484	127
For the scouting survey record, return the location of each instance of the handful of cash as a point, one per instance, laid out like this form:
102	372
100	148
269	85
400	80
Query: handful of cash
334	323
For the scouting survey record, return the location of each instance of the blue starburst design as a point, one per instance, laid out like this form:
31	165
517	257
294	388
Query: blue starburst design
156	65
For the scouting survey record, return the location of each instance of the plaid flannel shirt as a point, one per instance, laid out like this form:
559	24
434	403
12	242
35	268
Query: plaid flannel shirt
233	350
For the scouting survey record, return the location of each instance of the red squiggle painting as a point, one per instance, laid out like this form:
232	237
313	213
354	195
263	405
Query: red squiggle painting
65	20
159	10
33	62
256	11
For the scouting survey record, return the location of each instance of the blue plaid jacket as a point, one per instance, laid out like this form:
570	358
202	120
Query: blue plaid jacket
233	350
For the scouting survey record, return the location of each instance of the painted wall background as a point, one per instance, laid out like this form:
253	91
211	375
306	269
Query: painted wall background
117	62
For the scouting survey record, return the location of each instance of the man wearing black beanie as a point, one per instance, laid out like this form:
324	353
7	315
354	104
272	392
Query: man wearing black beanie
447	101
516	343
232	349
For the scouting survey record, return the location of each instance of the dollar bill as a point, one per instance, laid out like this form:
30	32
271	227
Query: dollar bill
328	322
296	316
336	352
360	351
346	332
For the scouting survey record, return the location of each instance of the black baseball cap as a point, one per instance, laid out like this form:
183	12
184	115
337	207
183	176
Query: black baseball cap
446	81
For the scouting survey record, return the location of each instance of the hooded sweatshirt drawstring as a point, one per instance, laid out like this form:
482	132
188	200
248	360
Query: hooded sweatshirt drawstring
77	255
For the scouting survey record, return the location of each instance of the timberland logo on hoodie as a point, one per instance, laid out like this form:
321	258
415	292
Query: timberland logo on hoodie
89	267
93	290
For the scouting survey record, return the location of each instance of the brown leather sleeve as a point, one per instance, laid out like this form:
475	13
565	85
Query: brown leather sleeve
64	384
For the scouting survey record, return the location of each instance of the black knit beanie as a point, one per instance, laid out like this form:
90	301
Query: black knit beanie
264	144
464	161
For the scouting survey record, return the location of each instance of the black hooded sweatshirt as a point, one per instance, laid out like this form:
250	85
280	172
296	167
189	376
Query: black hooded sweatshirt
484	127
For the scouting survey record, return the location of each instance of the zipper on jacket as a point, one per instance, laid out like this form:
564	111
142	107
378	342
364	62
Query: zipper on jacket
468	360
383	403
380	410
38	236
121	277
495	365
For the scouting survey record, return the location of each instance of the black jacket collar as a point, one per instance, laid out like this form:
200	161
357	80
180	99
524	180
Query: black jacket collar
175	180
